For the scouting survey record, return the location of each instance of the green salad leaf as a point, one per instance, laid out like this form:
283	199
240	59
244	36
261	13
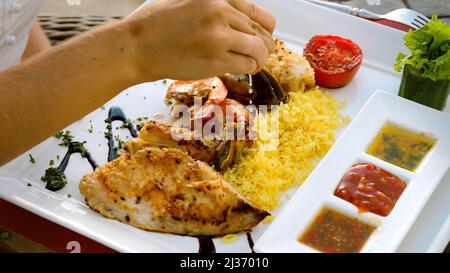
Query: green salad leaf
429	50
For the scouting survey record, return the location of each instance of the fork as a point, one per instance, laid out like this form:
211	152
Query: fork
407	17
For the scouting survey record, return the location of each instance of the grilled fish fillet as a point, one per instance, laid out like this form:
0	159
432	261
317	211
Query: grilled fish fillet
164	189
162	135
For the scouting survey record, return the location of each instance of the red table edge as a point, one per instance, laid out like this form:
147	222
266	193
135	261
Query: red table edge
59	238
45	232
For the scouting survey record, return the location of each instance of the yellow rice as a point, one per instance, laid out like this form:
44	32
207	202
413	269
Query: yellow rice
230	238
307	124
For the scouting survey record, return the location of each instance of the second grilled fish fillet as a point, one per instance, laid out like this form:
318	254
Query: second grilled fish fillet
164	189
161	135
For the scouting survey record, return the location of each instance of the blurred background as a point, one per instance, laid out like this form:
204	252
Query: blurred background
90	7
62	19
124	7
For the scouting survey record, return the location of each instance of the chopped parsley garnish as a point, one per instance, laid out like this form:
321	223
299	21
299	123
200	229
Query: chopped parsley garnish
78	147
69	195
126	125
392	152
169	102
29	184
52	162
108	133
54	178
59	134
66	137
58	157
91	129
67	141
32	159
120	143
140	119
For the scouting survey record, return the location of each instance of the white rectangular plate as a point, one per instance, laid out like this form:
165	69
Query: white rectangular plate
317	192
297	22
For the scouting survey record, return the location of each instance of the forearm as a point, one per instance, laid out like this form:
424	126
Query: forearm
188	40
37	42
56	88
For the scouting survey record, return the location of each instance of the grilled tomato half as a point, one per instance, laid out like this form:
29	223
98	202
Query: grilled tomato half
335	60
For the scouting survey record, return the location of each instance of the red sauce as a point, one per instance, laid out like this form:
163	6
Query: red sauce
370	188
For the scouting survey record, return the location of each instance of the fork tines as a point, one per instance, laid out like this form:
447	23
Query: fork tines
420	20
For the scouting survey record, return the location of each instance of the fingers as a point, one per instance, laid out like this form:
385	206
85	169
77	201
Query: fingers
251	46
242	23
240	64
256	13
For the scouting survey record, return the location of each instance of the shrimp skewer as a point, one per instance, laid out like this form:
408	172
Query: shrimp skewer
230	114
184	92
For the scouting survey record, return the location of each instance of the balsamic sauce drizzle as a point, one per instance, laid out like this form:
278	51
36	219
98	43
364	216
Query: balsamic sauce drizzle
250	241
116	114
206	245
73	149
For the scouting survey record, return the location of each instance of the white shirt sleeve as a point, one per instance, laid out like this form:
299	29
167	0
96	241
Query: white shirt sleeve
16	20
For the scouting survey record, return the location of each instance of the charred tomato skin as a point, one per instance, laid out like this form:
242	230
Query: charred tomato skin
335	60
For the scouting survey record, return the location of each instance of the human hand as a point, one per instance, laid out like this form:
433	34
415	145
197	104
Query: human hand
195	39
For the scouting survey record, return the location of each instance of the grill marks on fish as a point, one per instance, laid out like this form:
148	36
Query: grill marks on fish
177	195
